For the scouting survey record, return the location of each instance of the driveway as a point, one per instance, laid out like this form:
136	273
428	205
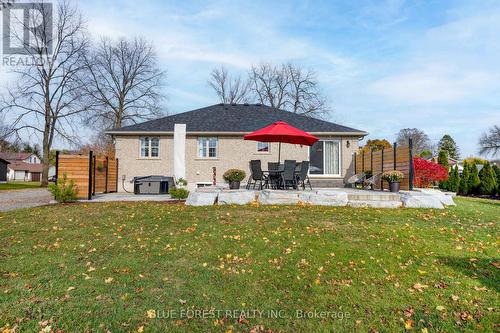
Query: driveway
15	199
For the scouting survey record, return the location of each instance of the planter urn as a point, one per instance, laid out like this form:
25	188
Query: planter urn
234	185
394	186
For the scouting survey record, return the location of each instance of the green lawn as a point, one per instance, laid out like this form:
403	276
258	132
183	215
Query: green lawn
130	266
18	185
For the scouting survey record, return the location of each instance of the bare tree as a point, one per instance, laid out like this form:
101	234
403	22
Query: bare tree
47	95
270	84
304	95
490	142
229	89
420	140
125	83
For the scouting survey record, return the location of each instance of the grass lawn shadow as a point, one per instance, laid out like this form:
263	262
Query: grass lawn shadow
483	270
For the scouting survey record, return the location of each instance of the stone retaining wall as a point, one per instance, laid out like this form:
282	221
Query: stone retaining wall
420	198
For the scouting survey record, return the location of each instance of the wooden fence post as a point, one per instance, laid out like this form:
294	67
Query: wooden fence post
89	195
410	144
395	154
57	165
106	182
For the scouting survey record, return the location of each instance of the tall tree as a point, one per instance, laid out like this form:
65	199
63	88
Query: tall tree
270	84
489	142
488	180
464	180
449	145
229	89
420	140
443	158
124	83
48	96
474	181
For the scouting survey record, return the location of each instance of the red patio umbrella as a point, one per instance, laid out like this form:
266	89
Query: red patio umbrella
280	132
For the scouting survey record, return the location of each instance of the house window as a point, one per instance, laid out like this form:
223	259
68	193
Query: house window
207	147
262	147
324	158
150	146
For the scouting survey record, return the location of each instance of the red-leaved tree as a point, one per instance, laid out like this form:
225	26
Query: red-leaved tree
427	172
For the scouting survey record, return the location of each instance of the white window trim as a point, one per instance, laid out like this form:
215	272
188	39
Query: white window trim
208	147
149	157
262	152
315	175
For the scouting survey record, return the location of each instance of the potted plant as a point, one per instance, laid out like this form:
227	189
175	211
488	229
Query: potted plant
234	177
394	179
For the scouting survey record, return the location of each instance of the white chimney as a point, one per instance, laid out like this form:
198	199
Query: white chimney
180	151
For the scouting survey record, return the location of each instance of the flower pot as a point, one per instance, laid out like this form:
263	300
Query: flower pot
394	186
234	185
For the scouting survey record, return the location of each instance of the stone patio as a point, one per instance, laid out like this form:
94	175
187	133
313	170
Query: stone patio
419	198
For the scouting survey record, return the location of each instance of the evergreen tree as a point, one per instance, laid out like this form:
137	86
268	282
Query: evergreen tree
453	180
473	181
496	170
449	145
488	180
464	180
443	158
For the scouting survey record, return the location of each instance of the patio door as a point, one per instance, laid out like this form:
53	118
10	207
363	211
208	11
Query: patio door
324	158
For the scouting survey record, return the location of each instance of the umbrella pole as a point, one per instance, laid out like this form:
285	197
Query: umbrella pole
279	153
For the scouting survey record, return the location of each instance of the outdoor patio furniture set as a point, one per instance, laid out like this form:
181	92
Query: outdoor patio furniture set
289	174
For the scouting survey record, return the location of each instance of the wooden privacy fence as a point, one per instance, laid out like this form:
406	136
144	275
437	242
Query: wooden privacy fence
395	158
91	174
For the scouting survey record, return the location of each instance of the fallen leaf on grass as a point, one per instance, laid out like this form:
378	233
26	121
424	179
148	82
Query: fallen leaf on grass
108	280
440	308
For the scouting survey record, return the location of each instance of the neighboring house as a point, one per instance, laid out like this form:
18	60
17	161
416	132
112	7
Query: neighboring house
190	144
3	170
22	166
451	162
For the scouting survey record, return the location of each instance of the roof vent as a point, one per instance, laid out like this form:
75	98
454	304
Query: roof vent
246	104
233	104
221	104
258	104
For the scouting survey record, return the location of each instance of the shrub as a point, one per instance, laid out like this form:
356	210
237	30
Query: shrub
234	175
464	180
443	158
181	182
474	181
427	172
488	183
178	193
496	170
64	191
392	176
453	180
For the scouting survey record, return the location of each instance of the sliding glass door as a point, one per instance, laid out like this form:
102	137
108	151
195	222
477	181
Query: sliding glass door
324	157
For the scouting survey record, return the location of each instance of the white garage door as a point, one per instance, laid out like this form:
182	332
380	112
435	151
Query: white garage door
19	175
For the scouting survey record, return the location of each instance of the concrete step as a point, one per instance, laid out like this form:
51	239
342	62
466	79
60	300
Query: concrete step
375	203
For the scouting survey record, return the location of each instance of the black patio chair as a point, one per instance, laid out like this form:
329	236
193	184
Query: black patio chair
274	175
257	175
288	175
302	176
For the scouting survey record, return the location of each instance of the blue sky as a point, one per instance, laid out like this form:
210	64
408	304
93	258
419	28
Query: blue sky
384	65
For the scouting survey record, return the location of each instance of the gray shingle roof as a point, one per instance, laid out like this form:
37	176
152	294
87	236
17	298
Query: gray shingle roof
234	118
